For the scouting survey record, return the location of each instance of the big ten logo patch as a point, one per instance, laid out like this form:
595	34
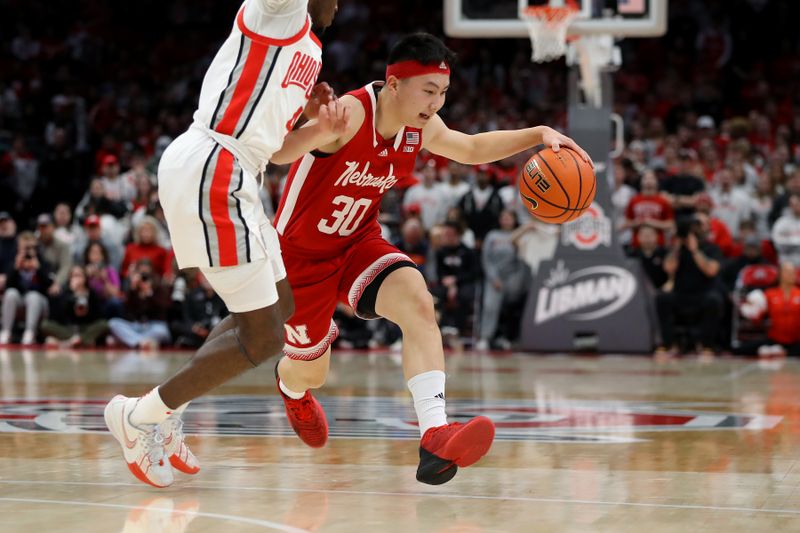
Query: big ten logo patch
535	173
302	72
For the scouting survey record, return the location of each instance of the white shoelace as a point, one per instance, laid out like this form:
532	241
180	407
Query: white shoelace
174	425
153	443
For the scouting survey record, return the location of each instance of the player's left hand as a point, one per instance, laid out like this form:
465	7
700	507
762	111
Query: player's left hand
321	95
556	140
333	118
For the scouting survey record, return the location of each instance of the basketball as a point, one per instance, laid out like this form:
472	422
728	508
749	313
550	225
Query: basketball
557	187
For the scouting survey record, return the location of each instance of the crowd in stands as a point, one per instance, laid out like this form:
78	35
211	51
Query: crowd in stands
709	182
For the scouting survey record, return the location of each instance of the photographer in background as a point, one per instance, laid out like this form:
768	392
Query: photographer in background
77	315
146	306
26	287
692	265
684	187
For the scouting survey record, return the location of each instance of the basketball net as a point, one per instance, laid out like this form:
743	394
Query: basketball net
547	27
593	54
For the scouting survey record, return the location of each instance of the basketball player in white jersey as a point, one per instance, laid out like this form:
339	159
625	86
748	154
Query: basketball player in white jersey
256	88
334	251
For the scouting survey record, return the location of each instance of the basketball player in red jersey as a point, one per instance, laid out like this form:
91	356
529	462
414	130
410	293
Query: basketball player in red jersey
333	250
255	89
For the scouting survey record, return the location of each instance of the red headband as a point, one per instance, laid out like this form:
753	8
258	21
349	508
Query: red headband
409	69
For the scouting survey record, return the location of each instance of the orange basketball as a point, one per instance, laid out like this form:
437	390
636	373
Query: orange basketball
557	187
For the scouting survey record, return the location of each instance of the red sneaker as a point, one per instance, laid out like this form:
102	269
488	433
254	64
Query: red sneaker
444	448
306	417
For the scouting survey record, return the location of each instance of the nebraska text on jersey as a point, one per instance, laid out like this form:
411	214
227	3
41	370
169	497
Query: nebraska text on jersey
332	200
352	176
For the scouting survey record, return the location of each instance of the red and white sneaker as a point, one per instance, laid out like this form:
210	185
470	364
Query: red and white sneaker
142	446
306	416
444	448
180	456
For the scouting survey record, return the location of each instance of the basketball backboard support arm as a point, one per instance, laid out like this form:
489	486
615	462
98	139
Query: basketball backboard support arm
594	56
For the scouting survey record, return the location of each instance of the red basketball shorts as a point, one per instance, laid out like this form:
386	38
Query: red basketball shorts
317	286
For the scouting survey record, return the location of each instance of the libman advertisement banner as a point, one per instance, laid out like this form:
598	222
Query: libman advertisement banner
580	304
586	294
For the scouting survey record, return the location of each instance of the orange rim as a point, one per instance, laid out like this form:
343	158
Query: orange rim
554	15
550	14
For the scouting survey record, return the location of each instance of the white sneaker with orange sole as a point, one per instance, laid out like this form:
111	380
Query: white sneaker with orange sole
180	456
142	446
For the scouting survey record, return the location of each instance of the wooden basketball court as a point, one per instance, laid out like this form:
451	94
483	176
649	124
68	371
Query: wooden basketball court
612	443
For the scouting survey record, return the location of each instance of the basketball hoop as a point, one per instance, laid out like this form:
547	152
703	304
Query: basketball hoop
547	27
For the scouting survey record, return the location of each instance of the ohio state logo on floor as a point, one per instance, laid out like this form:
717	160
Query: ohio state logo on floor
393	418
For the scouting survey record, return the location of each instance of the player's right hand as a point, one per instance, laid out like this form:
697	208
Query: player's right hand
334	117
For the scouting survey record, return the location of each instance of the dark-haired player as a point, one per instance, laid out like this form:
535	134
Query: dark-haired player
332	245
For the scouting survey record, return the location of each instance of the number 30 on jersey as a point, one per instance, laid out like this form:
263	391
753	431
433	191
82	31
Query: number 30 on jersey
346	220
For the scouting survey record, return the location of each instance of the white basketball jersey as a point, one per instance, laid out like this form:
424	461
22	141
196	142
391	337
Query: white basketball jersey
260	80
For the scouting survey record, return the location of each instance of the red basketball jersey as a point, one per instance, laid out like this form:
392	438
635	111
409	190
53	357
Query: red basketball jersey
332	200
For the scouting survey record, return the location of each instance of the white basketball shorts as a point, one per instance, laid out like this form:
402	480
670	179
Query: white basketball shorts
216	222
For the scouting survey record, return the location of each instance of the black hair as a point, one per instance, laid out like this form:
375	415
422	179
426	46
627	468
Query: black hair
454	225
422	47
100	245
513	215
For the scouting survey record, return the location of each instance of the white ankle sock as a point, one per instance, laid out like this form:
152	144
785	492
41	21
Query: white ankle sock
151	409
179	411
289	392
427	389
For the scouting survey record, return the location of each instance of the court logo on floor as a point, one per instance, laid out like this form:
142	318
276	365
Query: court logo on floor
393	418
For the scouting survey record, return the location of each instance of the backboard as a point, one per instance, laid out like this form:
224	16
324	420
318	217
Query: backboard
500	18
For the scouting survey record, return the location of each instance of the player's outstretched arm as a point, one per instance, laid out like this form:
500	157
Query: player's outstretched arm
330	125
491	146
